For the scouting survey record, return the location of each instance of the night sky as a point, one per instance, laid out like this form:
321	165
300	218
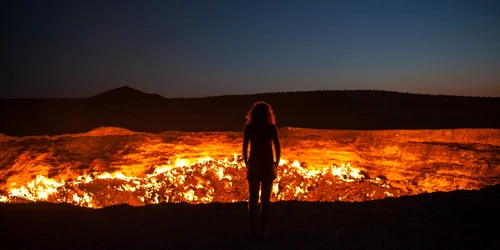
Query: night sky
59	49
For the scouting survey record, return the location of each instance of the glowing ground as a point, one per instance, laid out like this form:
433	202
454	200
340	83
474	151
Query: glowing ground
110	166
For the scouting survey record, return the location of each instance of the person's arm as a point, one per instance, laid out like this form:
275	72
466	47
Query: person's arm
245	145
277	146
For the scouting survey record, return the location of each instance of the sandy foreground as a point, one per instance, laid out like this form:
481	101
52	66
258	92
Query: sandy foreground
453	220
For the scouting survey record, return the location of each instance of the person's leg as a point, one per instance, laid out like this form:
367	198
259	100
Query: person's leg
253	202
265	199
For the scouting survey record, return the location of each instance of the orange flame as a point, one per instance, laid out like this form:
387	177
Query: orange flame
202	181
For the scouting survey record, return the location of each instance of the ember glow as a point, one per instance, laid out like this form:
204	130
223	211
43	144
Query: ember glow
109	166
204	181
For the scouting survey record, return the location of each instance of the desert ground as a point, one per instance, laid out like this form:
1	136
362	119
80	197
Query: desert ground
415	165
453	220
425	172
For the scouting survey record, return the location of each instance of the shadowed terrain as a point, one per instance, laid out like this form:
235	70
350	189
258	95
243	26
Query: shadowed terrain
454	220
410	161
132	109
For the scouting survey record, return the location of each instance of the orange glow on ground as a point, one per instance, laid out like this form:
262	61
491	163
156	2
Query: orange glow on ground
110	166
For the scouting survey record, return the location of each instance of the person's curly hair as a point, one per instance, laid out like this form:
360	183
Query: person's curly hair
261	112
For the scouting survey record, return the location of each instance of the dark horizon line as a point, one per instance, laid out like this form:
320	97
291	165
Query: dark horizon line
249	94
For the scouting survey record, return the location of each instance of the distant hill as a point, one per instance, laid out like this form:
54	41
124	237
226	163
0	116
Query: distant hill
124	94
132	109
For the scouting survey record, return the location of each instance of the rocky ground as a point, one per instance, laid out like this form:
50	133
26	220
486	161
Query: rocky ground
409	161
453	220
413	161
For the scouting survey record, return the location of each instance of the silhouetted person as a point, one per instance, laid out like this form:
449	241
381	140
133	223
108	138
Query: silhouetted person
261	131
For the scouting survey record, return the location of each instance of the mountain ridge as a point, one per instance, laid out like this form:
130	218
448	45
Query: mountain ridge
124	94
135	110
125	91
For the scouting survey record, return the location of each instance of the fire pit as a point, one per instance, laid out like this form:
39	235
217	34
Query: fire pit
110	166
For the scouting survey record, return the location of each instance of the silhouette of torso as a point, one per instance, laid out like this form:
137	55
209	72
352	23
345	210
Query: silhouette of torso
261	151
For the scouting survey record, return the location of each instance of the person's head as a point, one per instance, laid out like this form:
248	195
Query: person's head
261	112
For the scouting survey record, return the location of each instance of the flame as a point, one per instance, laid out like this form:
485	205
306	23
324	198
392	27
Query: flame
347	173
203	180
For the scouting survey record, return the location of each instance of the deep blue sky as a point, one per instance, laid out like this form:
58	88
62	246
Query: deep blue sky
206	48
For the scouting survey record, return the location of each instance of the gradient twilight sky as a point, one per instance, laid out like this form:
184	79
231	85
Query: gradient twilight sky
207	48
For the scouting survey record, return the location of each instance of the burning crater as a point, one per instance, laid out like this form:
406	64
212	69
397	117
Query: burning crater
110	166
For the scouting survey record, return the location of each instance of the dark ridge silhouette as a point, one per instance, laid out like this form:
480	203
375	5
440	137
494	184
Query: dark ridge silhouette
358	109
454	220
123	95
